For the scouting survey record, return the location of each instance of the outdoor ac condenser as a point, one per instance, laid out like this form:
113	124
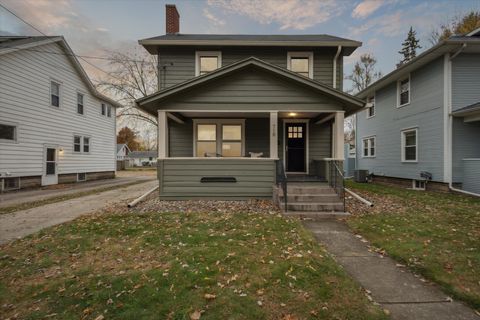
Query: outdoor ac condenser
360	176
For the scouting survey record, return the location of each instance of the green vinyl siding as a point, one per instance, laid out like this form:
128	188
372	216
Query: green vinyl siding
180	178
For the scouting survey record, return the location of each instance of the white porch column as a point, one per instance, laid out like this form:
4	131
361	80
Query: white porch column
338	136
162	134
273	134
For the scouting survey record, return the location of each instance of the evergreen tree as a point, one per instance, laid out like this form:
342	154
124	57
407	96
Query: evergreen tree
409	46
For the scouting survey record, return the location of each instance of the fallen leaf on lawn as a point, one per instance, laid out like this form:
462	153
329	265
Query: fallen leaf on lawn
100	317
195	315
209	296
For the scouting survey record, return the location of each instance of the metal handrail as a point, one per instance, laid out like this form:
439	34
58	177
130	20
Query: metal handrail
282	181
337	181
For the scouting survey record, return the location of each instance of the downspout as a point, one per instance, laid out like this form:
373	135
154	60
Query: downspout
450	125
339	49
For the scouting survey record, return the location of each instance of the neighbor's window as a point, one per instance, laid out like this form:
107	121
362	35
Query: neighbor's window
55	94
369	147
404	92
8	133
231	140
206	140
109	111
86	144
301	63
79	103
410	145
207	61
371	108
104	109
77	144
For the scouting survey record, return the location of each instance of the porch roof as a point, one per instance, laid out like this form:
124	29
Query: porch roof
150	103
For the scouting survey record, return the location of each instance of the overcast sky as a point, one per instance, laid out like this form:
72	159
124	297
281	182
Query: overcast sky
93	26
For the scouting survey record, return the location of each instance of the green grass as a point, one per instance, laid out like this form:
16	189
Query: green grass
436	234
161	266
54	199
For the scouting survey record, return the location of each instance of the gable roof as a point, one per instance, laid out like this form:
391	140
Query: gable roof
349	100
12	44
143	154
303	40
452	44
121	145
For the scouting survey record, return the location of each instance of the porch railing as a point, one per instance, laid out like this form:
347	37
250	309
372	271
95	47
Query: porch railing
336	180
281	180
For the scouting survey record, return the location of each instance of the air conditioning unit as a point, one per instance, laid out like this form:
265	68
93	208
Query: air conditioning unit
360	176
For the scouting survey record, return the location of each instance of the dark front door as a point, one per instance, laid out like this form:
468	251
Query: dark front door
295	146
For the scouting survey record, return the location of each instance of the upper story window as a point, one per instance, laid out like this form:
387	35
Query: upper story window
410	145
104	109
86	144
371	107
54	94
80	98
403	92
301	63
8	133
207	61
109	111
369	147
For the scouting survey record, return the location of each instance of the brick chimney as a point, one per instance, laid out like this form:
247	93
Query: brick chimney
172	19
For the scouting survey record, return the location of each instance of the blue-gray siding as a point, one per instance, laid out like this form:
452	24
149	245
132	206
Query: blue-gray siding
465	80
471	181
180	178
465	144
424	112
178	64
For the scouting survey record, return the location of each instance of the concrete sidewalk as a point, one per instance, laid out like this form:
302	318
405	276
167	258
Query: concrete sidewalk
18	197
21	223
391	285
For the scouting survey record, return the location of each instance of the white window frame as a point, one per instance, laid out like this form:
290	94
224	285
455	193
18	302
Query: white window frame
89	144
301	54
402	137
372	106
78	177
84	103
199	54
414	187
3	185
15	132
369	146
219	123
60	93
81	139
109	111
409	91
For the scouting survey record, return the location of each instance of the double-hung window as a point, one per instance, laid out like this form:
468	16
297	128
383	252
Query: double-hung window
77	144
301	63
410	145
86	144
80	98
103	109
109	111
368	147
54	94
371	107
207	61
8	133
403	92
219	138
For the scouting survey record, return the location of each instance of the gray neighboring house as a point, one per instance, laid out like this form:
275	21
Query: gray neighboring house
237	111
139	158
425	117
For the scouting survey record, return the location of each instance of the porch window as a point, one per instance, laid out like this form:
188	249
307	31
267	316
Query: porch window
369	146
409	145
232	140
301	63
207	61
206	140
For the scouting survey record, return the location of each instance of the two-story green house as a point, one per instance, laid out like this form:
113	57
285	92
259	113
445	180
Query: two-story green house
236	111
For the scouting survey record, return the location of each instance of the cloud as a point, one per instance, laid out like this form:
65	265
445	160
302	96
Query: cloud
289	14
366	8
213	19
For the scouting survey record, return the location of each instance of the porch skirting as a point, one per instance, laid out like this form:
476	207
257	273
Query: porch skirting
216	178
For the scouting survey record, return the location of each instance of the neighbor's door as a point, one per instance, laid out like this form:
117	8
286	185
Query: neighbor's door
295	147
50	172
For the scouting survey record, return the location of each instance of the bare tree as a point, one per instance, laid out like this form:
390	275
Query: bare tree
134	75
364	72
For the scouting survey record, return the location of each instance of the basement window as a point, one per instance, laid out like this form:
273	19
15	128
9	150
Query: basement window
419	185
81	177
11	183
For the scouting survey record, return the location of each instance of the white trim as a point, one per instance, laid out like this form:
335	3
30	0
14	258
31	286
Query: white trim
447	150
199	54
15	125
162	138
307	146
301	54
409	91
273	134
369	106
414	187
369	146
218	139
78	176
53	178
402	138
252	111
339	49
472	33
219	158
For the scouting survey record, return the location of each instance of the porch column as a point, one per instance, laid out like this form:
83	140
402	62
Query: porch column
273	134
338	136
162	134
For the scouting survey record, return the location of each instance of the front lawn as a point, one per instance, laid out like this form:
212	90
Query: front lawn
136	265
436	234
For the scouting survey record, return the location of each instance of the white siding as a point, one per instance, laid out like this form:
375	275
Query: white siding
25	99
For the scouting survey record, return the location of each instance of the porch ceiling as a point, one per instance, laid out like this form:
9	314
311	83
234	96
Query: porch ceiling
282	114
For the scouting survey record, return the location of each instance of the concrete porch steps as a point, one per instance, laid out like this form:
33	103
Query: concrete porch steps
315	216
314	206
310	197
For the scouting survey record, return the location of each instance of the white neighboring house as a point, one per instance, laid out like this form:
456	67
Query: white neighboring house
122	151
54	126
139	158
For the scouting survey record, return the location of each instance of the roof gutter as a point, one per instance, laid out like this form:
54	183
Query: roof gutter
335	66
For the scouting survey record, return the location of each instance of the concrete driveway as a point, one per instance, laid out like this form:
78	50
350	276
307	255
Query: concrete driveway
21	223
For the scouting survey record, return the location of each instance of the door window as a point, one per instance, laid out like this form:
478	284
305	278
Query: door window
51	161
